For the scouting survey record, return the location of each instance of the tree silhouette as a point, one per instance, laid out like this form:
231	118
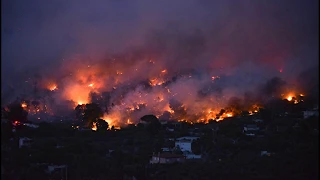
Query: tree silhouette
89	113
153	124
16	113
102	125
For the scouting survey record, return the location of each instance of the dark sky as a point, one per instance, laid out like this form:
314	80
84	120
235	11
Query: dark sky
37	34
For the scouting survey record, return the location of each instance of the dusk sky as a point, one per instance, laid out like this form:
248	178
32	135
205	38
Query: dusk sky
252	40
37	34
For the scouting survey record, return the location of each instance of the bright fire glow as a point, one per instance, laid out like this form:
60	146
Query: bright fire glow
24	105
129	122
94	127
53	87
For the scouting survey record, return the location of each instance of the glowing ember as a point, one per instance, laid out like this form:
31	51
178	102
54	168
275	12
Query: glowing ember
24	105
164	71
91	85
53	88
129	122
214	77
289	98
94	127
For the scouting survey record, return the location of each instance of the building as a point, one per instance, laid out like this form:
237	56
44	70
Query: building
190	155
258	120
167	158
184	145
166	149
25	142
251	127
307	114
31	125
265	153
190	138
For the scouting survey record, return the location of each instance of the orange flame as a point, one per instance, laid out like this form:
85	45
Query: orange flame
94	127
24	105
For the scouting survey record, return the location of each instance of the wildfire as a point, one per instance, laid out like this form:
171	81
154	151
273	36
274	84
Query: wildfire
167	108
91	85
53	88
24	105
214	77
129	122
156	81
164	71
289	98
111	121
225	115
94	127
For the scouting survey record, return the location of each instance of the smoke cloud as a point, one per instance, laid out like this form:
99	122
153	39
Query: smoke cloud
183	57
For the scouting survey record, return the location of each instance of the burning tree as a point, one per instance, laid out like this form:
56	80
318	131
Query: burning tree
90	113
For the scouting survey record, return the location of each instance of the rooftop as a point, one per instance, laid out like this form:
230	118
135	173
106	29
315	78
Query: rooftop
168	155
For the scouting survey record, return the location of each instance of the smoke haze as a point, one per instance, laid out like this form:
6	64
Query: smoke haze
185	56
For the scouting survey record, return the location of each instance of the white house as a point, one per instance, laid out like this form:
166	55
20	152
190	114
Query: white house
25	142
184	145
307	114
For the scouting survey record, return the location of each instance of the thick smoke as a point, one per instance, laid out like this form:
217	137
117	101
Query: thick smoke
183	58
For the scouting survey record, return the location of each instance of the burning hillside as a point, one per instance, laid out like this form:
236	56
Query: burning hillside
205	60
126	93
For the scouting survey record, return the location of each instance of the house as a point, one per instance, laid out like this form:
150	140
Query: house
190	138
167	158
52	168
265	153
31	125
190	155
184	145
258	120
166	149
25	142
310	113
170	129
250	127
163	122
